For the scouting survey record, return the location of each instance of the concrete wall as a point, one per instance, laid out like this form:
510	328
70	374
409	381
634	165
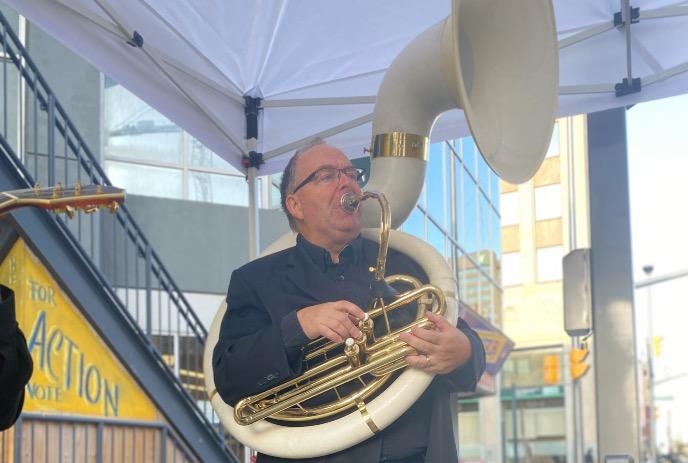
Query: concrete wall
199	243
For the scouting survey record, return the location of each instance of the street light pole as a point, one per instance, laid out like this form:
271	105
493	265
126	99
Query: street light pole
652	448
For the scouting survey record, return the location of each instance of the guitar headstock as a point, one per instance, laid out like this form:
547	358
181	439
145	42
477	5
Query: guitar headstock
87	198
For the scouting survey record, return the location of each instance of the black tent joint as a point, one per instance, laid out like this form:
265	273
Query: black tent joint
624	88
251	109
136	40
252	160
635	17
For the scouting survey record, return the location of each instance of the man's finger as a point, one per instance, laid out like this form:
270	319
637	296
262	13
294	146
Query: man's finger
351	308
353	330
417	361
337	326
417	343
429	335
439	321
331	334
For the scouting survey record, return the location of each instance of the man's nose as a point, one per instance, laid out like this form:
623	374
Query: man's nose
345	180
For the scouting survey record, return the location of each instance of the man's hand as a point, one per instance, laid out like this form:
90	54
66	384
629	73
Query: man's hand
333	320
440	350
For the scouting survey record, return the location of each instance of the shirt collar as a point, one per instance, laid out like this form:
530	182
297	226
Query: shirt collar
352	252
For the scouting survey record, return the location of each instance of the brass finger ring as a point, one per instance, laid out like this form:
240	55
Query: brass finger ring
427	361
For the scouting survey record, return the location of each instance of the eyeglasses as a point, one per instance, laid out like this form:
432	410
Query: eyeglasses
328	174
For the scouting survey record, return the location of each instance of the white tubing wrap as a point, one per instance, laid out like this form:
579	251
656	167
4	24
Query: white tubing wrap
400	179
327	438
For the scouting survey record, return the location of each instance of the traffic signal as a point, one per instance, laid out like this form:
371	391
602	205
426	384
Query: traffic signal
577	367
550	369
657	345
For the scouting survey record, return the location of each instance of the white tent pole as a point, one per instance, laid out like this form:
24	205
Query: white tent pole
586	34
253	218
665	74
323	134
582	89
252	163
155	60
666	12
626	15
319	101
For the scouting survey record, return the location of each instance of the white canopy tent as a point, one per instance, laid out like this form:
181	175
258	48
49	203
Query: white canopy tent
316	66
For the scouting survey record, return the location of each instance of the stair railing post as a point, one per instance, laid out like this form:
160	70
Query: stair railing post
149	295
51	139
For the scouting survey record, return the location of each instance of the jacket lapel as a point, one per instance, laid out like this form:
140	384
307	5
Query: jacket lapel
303	275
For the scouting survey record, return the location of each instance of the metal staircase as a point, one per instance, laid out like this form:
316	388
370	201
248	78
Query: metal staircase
43	146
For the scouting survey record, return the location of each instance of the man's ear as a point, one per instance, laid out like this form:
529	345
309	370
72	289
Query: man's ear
294	207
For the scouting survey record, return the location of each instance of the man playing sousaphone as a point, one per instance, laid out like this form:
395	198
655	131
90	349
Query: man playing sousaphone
279	303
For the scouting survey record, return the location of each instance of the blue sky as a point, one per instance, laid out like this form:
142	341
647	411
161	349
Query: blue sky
658	168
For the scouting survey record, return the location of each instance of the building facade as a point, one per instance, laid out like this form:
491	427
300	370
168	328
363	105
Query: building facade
542	220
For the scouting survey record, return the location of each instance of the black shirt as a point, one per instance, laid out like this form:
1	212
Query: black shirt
407	437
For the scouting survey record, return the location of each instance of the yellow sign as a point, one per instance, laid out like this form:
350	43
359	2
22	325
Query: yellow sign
74	371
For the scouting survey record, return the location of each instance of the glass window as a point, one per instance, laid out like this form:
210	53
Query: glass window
218	188
458	202
275	195
549	263
548	202
495	234
508	208
511	269
484	231
415	224
484	175
135	130
494	189
436	238
145	180
553	149
201	156
470	214
470	284
469	152
434	184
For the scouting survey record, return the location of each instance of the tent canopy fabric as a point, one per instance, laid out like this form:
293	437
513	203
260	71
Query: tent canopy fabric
317	65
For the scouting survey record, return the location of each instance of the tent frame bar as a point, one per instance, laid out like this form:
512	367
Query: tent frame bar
319	101
323	134
235	96
151	54
169	60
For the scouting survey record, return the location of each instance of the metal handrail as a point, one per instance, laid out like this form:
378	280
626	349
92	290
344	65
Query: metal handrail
41	111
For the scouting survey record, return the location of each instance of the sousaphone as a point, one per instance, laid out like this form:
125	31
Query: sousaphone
496	60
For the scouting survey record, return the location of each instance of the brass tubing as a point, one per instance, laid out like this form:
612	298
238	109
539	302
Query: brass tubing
403	300
333	380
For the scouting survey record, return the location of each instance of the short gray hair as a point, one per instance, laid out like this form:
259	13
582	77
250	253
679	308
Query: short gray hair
287	183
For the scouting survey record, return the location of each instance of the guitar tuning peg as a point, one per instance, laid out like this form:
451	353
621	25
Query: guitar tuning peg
70	211
58	190
90	209
99	189
37	189
113	207
77	188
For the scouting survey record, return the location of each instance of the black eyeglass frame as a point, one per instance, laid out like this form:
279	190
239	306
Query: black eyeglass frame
359	175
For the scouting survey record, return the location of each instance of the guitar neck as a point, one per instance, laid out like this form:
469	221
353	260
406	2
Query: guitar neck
88	198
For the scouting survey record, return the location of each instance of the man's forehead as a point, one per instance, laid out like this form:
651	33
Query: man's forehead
321	156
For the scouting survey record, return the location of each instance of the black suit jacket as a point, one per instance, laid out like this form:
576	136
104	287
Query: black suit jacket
256	350
15	362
